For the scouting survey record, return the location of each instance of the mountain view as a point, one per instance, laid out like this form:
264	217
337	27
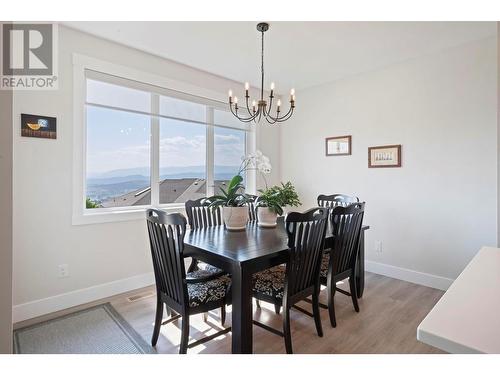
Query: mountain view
105	186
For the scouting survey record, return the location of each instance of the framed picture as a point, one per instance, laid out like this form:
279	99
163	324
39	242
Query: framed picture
38	126
384	156
338	145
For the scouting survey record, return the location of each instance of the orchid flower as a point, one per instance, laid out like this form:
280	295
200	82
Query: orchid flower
256	161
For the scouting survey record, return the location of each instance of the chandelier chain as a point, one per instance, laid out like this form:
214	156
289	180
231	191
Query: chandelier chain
262	69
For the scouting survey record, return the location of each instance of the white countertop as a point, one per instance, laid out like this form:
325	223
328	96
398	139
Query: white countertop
467	318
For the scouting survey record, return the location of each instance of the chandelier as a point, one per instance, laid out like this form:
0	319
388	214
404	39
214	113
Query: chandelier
261	109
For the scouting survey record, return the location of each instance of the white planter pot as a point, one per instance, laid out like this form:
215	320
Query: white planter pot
266	217
235	218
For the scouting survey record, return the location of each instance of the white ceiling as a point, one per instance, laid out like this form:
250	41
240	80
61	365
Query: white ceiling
297	54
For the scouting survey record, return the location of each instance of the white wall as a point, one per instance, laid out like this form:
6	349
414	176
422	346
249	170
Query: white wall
103	259
5	220
498	132
433	214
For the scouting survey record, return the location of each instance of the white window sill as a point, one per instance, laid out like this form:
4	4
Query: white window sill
98	216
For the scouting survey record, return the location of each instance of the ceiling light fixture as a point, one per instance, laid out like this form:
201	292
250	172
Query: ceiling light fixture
261	109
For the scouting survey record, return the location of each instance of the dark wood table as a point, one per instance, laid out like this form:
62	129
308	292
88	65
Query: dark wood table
242	254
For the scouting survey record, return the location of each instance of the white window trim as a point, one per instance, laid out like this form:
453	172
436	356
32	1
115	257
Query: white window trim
83	216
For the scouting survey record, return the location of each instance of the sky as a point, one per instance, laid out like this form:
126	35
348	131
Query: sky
121	140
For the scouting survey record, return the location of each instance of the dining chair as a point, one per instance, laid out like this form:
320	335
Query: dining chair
201	216
288	284
335	200
340	262
186	294
252	216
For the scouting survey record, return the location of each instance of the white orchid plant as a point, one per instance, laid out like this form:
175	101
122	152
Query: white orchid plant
234	195
256	161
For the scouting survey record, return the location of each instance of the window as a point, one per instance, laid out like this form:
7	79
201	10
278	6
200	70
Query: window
182	161
118	145
229	148
150	146
118	158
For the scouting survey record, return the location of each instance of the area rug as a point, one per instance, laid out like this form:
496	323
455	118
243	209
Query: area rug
97	330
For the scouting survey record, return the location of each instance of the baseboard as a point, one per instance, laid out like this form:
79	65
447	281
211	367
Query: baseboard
63	301
416	277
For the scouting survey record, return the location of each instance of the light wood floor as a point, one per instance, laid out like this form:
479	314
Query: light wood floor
390	312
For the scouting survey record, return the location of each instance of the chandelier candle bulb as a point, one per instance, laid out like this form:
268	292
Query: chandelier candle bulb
230	94
272	86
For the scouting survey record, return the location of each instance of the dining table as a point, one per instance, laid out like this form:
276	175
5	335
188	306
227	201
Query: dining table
243	253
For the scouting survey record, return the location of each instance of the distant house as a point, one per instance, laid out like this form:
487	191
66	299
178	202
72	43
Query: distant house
171	191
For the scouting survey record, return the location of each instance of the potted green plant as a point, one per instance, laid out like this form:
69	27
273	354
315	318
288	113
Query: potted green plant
271	202
234	200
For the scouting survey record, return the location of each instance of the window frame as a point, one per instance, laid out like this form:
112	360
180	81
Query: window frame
87	67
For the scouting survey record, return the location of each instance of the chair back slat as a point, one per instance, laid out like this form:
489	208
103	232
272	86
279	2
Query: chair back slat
346	224
252	210
306	235
200	215
335	200
166	237
170	262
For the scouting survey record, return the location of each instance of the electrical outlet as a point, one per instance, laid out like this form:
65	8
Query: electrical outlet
378	246
63	271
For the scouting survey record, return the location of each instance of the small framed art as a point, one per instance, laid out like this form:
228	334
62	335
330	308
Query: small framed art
38	126
336	146
384	156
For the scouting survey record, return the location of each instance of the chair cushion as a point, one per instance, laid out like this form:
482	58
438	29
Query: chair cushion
208	291
270	282
324	265
204	273
208	269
